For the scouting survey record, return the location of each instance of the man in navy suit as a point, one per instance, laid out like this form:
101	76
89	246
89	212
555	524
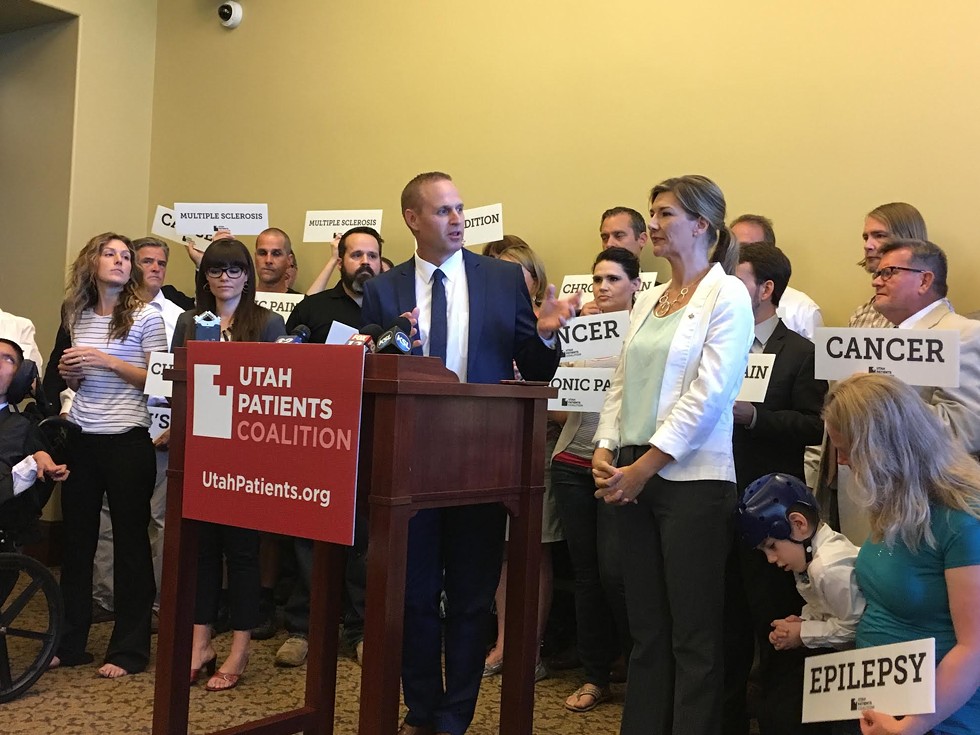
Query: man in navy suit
475	313
770	436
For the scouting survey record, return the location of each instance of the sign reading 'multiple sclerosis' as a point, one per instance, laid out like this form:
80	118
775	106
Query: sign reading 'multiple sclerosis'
272	437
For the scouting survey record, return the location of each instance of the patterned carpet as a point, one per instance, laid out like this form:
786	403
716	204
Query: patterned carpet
77	702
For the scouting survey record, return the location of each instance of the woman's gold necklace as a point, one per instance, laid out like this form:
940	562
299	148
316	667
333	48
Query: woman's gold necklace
665	303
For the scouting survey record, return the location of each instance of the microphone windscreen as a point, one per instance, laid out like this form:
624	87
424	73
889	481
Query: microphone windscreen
403	324
373	330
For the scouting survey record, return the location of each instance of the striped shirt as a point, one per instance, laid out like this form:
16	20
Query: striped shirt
865	317
104	402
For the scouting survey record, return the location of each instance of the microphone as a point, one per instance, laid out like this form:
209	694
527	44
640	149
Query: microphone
300	334
396	340
368	337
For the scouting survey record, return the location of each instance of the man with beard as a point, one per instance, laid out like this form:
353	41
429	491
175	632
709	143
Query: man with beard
359	251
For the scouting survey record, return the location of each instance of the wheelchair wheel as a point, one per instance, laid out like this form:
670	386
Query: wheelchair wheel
31	611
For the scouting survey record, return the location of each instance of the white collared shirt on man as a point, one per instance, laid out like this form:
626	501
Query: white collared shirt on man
457	304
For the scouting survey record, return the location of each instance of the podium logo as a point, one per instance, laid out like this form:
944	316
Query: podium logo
213	404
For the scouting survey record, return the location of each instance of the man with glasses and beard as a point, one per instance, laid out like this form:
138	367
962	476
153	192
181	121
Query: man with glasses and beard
359	251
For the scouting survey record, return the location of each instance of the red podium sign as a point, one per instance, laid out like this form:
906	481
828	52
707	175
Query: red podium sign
272	437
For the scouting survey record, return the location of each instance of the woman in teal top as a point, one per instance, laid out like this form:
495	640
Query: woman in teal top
920	570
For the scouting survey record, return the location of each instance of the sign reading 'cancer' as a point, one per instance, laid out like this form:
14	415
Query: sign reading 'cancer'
916	356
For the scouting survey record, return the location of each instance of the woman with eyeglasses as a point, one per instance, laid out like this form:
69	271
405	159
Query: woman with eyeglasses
226	288
113	332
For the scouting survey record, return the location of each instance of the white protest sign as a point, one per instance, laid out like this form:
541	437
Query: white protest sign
339	333
159	420
897	679
155	383
483	224
598	335
580	389
281	303
241	219
583	283
323	225
758	373
915	356
163	226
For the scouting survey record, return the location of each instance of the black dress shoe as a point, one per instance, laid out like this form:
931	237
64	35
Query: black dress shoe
267	628
101	614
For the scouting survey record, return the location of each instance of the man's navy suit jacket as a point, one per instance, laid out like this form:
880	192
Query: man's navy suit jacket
502	323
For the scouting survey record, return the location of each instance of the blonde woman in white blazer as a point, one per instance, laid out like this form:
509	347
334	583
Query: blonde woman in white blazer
668	415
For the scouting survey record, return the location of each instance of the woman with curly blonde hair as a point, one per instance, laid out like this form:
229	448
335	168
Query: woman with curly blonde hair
112	333
920	569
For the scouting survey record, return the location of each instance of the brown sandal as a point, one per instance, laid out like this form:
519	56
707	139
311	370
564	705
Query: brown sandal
598	695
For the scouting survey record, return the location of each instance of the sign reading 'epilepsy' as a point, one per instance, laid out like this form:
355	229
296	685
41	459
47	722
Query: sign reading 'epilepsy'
898	679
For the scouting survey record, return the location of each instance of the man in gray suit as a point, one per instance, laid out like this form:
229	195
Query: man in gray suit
910	291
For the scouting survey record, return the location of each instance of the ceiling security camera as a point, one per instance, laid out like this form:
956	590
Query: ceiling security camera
230	14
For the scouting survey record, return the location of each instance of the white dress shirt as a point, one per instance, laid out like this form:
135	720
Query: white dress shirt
457	304
170	313
834	603
799	312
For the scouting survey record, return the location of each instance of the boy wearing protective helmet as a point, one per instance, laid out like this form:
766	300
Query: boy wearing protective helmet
778	515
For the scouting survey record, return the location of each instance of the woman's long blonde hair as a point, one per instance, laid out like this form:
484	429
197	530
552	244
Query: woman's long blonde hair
81	290
902	455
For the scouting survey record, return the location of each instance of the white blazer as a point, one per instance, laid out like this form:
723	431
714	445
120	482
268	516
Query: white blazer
702	376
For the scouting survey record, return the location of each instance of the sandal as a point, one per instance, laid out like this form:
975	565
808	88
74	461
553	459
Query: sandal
598	695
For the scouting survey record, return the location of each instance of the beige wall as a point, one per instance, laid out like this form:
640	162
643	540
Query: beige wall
810	113
37	96
108	167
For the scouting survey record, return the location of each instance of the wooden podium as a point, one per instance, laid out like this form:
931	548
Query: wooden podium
427	441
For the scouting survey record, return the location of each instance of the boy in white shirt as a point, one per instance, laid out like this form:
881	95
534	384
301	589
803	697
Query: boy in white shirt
779	516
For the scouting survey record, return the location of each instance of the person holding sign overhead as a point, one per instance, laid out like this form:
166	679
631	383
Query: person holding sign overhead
226	287
920	569
669	414
602	630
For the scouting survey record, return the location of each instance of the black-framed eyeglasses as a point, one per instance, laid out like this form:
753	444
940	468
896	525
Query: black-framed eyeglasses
889	270
233	271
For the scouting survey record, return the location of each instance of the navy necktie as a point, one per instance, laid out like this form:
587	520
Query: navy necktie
438	329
